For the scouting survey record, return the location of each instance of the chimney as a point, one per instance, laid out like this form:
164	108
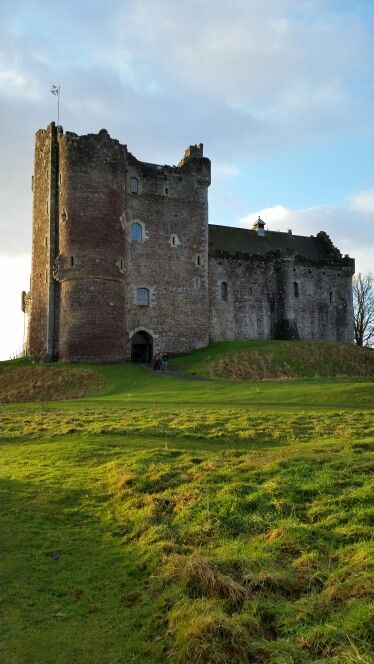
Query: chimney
259	226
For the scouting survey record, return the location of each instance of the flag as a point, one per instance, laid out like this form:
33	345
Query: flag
55	90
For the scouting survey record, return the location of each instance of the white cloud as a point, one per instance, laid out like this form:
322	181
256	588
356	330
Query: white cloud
220	169
349	230
363	201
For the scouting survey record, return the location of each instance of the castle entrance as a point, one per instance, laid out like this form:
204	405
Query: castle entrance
141	347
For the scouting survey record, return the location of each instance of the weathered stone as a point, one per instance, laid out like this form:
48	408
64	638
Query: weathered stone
89	261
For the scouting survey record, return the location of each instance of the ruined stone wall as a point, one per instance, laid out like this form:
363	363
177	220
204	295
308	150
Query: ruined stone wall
280	297
171	260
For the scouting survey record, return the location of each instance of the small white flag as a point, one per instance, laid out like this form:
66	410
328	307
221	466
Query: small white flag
55	90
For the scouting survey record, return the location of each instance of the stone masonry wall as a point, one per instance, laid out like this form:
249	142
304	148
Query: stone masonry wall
87	265
171	261
41	331
92	198
280	298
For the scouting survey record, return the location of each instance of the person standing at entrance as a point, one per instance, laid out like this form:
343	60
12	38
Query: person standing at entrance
164	361
156	362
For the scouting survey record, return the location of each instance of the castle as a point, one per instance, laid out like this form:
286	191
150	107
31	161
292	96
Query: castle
124	262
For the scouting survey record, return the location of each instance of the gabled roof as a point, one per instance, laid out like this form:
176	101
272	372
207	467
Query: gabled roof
242	240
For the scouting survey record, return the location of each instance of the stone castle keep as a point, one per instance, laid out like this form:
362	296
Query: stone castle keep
124	262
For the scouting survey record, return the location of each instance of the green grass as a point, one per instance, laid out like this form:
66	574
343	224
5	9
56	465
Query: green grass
281	360
174	520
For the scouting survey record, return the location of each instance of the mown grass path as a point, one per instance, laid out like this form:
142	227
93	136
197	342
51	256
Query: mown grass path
171	520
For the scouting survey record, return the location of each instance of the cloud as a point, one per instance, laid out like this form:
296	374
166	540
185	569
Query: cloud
223	170
363	201
348	229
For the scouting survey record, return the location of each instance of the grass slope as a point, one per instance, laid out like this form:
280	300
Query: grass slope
171	520
259	360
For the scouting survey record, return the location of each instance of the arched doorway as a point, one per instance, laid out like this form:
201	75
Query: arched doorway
141	347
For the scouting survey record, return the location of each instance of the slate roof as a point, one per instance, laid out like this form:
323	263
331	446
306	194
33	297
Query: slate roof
242	240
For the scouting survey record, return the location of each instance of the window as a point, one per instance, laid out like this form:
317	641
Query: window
296	289
330	297
71	261
196	281
166	191
142	297
174	240
122	264
136	233
134	185
198	260
46	241
224	290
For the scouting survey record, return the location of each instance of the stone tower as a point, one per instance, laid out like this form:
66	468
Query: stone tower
120	248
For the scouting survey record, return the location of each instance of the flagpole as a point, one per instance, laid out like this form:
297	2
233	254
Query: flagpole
58	107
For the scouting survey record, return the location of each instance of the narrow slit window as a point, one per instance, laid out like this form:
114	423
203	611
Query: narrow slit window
174	240
71	261
224	291
296	289
46	241
142	297
166	191
134	185
330	297
198	260
136	233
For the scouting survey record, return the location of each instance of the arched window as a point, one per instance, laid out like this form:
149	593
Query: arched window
142	297
136	233
134	188
224	290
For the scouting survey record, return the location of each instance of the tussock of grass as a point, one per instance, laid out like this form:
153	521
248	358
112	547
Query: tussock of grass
280	360
233	426
239	552
46	382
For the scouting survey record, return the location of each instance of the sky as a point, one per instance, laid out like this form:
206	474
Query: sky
281	93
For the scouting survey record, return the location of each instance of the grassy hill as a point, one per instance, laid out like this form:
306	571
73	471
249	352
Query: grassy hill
282	360
209	521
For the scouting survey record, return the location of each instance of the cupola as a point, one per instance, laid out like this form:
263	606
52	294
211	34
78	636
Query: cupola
259	226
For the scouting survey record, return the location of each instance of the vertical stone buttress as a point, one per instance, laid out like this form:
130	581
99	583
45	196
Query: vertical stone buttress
89	267
286	327
42	340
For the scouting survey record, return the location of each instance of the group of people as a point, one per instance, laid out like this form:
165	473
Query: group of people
160	362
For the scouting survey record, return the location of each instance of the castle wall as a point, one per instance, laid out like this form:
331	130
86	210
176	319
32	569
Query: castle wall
171	261
92	197
249	310
280	298
96	283
41	333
